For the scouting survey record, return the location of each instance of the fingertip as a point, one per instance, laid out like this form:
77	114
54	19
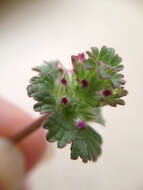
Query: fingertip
12	120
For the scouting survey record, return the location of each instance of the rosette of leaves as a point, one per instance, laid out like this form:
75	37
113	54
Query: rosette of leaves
76	99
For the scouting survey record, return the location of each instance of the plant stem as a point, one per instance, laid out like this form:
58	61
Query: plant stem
29	129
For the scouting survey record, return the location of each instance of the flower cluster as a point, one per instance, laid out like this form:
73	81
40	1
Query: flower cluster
76	97
97	78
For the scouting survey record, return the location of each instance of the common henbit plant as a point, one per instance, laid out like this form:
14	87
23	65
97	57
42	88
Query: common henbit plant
74	98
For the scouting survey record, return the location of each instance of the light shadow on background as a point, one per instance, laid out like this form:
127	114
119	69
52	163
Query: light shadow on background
9	7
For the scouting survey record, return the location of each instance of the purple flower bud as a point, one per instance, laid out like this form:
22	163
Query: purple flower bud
64	100
84	83
81	124
107	92
64	82
123	82
81	57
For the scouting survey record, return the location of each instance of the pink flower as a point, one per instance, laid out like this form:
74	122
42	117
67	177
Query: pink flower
81	124
107	92
64	82
84	83
58	64
70	72
102	63
81	57
64	100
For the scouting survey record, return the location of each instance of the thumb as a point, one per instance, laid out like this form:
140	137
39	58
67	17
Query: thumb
12	166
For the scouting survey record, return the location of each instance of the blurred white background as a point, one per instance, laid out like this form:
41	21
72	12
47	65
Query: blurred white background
31	31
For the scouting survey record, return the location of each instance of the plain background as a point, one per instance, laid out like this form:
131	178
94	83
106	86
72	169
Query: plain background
33	31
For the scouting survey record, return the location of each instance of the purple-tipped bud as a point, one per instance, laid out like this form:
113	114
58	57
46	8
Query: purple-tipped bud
64	100
84	83
123	82
81	57
64	82
123	93
81	124
107	92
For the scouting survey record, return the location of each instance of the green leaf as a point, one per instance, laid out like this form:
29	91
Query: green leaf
59	129
106	54
98	116
116	60
95	51
85	143
103	51
90	63
118	68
